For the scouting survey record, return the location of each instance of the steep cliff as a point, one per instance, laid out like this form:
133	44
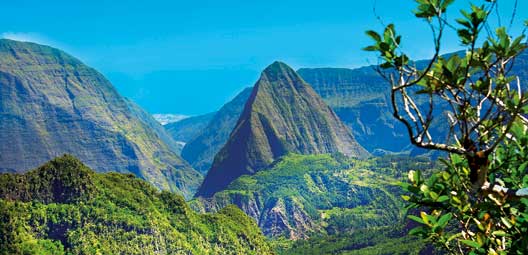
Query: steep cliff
200	150
282	115
51	104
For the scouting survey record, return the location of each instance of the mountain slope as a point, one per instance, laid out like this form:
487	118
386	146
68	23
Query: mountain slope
283	114
153	125
301	196
167	118
200	150
51	104
63	207
361	99
187	129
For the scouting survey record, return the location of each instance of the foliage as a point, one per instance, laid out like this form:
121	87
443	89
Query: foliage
476	204
111	213
475	88
462	222
375	241
335	203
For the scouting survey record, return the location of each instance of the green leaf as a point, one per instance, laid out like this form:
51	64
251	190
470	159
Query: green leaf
442	199
417	231
433	195
442	222
522	167
417	219
506	222
464	23
499	233
375	36
386	65
371	48
425	218
389	33
445	4
470	243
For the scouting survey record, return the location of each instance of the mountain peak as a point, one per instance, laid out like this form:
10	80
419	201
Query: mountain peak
51	104
277	66
282	115
279	70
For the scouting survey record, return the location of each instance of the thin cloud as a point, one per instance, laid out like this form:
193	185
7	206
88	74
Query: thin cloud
27	37
44	40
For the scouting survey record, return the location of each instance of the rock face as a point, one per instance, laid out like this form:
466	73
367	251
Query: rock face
361	99
287	217
51	104
200	151
283	115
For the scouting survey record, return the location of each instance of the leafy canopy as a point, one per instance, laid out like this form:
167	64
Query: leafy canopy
477	204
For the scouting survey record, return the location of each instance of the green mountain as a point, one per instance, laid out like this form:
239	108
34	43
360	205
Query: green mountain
361	99
187	129
63	207
283	115
321	197
200	150
51	104
153	125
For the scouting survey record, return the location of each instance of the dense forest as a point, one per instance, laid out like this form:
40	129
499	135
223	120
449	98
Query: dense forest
63	207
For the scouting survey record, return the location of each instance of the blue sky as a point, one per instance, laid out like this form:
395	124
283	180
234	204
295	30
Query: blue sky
190	57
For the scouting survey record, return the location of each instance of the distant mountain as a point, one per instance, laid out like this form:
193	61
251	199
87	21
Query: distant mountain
165	119
200	150
282	115
520	68
51	104
63	207
361	99
187	129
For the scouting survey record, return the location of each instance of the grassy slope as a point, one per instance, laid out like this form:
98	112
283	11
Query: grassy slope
352	204
64	207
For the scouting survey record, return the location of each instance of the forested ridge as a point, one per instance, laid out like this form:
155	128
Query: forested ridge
64	207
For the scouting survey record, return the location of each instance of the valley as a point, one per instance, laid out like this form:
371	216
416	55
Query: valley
303	162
